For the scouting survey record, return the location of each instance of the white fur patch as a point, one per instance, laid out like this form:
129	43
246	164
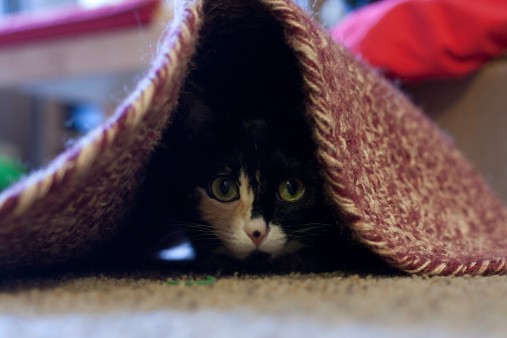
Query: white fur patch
230	219
275	240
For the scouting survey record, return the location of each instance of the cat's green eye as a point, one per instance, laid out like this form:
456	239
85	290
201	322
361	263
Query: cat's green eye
291	190
224	189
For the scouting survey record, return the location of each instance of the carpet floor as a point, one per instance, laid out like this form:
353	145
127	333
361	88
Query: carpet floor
326	305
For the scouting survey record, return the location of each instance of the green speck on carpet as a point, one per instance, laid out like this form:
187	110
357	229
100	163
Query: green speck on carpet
209	280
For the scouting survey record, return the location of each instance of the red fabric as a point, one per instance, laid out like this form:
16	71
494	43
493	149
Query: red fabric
74	21
420	39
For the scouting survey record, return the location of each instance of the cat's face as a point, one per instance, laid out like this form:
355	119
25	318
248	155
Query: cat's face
259	190
253	213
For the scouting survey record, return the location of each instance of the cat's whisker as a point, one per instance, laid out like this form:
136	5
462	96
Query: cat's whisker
306	234
320	229
203	236
300	237
195	227
316	226
199	231
309	231
306	242
318	223
183	223
168	236
209	247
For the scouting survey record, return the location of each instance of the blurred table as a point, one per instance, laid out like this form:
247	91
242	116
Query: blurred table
79	54
70	56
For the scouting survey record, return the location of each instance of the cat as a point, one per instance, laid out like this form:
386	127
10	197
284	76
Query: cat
245	188
235	171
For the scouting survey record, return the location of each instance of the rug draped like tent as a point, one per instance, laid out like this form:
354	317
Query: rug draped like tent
407	192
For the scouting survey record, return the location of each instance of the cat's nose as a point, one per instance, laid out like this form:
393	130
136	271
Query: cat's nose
257	236
257	231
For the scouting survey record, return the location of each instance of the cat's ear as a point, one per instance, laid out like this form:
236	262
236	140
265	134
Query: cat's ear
195	114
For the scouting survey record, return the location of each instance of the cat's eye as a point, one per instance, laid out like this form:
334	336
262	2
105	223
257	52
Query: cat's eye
291	190
224	189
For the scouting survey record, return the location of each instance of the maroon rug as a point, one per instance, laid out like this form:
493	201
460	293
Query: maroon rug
409	194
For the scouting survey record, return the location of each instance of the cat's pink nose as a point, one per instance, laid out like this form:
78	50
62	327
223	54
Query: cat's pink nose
257	232
257	237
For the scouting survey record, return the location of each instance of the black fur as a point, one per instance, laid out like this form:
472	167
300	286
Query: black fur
242	106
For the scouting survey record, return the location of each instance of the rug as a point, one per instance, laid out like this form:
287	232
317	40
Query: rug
406	192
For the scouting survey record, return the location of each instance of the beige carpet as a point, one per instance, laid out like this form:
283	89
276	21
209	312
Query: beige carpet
277	306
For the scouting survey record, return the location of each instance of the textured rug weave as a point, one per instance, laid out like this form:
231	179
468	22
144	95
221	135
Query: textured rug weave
407	192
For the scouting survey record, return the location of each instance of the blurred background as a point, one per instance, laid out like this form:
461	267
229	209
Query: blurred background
66	64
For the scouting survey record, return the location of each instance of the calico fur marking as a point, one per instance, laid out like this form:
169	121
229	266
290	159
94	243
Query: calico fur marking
234	224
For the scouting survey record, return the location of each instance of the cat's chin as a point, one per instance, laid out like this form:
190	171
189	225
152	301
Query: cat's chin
259	262
260	254
260	257
262	262
254	254
256	262
257	256
270	249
